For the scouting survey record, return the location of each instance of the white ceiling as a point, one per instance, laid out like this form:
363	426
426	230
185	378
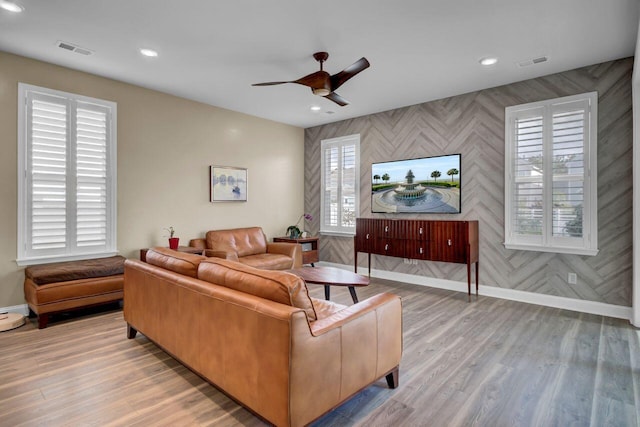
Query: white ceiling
419	50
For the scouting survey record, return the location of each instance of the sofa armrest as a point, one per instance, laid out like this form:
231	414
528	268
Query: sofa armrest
343	353
231	256
292	250
198	243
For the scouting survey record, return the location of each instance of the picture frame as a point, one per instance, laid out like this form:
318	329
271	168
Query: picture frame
228	184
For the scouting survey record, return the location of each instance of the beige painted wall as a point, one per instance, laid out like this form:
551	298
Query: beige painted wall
165	145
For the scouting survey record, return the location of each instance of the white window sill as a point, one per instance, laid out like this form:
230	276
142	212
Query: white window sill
338	233
556	249
49	259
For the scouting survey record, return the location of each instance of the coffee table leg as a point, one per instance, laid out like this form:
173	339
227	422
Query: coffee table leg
327	292
354	297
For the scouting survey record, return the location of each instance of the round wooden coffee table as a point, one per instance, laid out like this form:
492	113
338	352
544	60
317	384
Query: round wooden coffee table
329	276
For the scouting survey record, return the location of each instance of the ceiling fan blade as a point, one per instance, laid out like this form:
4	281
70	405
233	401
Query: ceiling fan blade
337	99
314	80
338	79
270	83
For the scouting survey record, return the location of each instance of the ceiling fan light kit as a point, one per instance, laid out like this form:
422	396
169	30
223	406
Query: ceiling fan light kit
322	83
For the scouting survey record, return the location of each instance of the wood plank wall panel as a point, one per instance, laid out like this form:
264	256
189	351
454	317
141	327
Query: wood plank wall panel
473	124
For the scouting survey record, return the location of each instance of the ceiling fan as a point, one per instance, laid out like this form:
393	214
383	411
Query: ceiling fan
324	84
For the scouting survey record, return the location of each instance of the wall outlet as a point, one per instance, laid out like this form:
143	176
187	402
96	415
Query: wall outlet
572	278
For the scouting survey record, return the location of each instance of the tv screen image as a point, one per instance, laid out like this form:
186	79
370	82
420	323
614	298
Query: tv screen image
423	185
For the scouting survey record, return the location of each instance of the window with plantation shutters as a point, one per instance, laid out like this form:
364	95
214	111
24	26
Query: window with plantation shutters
66	176
551	175
340	165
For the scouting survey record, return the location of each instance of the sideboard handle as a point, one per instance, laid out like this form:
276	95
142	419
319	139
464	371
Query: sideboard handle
449	242
420	230
367	236
386	246
420	250
386	228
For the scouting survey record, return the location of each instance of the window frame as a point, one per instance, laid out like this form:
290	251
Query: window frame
26	256
588	243
340	143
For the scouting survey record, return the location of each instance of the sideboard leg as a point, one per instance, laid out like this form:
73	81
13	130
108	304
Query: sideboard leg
327	292
469	281
477	279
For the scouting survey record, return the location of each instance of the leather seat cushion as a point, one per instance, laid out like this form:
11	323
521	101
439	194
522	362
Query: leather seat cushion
267	261
277	286
242	241
178	262
75	270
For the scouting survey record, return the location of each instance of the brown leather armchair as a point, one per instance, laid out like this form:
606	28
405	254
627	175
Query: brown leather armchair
249	246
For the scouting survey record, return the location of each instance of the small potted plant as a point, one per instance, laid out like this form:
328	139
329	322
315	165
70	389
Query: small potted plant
293	232
173	241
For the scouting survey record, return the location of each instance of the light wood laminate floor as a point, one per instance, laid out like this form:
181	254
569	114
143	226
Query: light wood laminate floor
488	363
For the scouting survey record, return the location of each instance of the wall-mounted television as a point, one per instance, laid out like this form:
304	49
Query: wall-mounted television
422	185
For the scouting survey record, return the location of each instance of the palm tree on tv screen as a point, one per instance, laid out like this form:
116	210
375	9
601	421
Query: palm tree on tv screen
452	172
435	175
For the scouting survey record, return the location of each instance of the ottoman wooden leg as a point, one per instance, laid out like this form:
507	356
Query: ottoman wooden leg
43	319
131	332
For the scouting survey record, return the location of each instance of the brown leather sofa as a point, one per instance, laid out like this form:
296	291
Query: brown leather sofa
259	337
249	246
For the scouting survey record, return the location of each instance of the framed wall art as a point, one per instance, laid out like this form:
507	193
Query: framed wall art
228	184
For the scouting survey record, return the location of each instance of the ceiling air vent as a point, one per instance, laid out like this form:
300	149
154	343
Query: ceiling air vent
73	48
533	61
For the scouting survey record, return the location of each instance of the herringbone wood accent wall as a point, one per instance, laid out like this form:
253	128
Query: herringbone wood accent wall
473	124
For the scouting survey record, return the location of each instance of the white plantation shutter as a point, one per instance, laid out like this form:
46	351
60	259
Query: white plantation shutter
48	134
340	167
66	176
551	175
91	181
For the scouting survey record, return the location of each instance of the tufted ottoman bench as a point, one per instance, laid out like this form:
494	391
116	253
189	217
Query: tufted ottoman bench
64	286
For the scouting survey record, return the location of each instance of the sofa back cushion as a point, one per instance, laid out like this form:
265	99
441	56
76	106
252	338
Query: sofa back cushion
278	286
178	262
243	241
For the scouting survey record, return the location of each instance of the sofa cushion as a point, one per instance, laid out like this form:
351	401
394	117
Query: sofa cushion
243	241
178	262
277	286
75	270
267	261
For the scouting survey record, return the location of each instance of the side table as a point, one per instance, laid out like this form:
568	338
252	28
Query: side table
309	248
187	249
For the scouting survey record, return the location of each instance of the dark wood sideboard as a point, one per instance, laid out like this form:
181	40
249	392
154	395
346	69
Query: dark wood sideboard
444	241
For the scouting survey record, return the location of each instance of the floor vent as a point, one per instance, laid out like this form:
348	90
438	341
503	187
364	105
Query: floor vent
533	61
74	48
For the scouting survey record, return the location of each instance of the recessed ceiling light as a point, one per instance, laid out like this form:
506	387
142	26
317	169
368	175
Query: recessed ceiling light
488	61
149	52
315	108
10	6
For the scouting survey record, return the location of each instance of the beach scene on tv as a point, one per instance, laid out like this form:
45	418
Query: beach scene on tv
425	185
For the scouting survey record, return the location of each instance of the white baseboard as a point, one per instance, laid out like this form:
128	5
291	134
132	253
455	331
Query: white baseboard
583	306
20	309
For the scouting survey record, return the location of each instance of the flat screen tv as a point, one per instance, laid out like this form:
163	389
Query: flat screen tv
423	185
